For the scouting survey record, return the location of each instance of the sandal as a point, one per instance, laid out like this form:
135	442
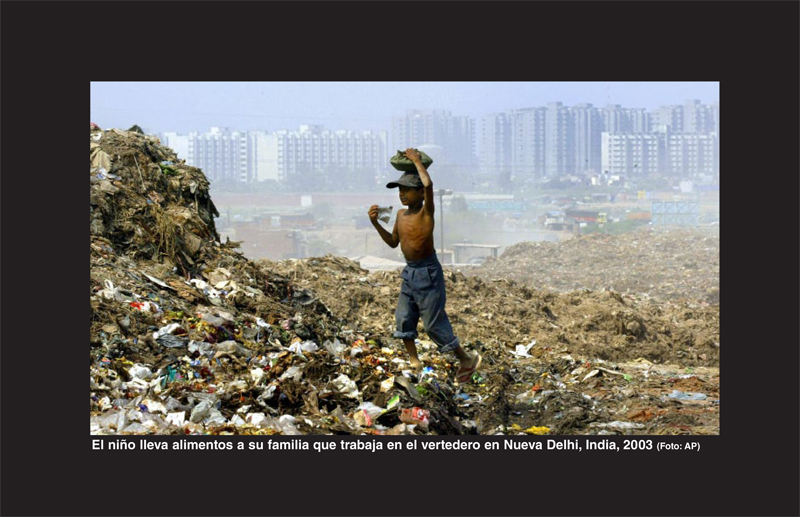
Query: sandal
465	372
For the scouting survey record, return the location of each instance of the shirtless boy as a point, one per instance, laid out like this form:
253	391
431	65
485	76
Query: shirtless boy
422	292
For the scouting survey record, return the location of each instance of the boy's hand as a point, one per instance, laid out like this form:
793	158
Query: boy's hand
373	213
413	155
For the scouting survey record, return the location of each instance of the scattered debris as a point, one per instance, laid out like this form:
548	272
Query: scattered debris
189	337
664	264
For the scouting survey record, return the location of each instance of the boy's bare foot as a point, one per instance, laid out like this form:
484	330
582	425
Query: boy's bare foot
413	358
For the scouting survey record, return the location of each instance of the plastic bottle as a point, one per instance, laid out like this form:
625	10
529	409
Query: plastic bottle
417	416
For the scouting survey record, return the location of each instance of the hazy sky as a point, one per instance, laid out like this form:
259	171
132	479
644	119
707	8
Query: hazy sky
184	106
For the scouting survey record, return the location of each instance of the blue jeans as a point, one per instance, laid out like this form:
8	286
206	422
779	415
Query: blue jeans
422	294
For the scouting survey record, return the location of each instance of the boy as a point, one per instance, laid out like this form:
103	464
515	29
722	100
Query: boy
422	292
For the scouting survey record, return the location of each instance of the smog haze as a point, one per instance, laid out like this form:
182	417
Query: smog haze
295	166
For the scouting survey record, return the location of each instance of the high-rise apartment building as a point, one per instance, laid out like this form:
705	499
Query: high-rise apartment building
633	154
528	142
664	152
495	142
715	117
248	156
221	154
178	143
557	140
617	119
698	118
587	127
668	118
263	156
455	135
316	150
641	120
511	145
688	154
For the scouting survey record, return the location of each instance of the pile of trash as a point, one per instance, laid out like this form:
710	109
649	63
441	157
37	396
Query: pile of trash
582	362
187	336
604	324
146	202
666	264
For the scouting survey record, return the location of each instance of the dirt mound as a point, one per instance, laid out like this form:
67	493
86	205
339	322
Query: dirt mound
187	336
145	201
575	333
607	325
664	264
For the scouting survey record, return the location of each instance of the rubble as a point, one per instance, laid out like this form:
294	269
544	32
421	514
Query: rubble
605	355
187	336
666	264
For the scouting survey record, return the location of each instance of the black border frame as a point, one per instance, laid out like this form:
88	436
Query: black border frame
51	50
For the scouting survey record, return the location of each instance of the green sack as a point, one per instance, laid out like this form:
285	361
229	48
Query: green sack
401	163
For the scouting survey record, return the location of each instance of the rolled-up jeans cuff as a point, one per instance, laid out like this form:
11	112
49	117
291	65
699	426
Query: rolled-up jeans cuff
405	335
450	346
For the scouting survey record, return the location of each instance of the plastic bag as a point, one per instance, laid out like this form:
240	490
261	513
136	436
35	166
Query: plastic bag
366	413
164	331
200	411
345	386
336	348
305	346
384	213
522	350
139	371
401	163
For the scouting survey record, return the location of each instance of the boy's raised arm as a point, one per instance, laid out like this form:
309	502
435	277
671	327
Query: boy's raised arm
414	156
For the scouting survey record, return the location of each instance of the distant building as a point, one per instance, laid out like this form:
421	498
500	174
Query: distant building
559	141
178	143
225	155
271	244
528	142
698	118
222	154
668	118
468	253
273	236
250	156
264	153
555	141
715	117
691	154
455	135
314	149
587	127
495	144
617	119
552	142
633	154
665	152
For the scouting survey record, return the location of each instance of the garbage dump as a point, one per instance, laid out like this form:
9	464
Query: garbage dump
666	264
187	336
569	362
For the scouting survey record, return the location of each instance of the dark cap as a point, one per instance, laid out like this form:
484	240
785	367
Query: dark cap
408	179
